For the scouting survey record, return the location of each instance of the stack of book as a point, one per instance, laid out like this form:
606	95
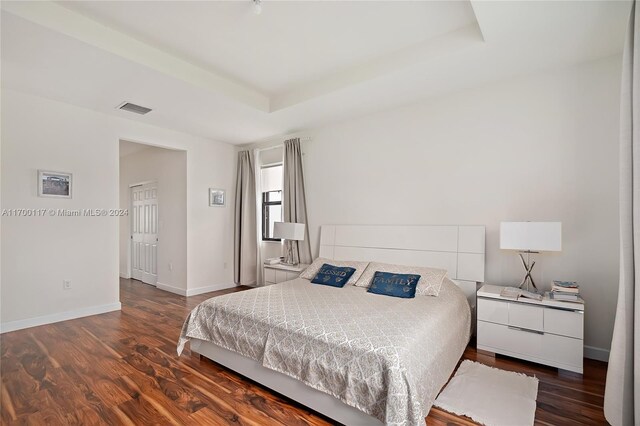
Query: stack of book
565	291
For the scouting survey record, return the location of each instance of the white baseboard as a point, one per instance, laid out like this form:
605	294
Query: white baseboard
171	289
60	316
200	290
193	291
598	354
125	275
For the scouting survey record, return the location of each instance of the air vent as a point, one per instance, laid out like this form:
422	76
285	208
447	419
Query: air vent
128	106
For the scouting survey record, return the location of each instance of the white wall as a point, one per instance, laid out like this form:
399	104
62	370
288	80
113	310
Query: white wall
169	169
38	253
544	147
210	229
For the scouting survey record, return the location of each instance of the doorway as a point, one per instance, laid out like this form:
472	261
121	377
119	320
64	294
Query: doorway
144	232
153	233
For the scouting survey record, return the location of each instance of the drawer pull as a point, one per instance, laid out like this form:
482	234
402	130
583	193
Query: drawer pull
555	308
524	329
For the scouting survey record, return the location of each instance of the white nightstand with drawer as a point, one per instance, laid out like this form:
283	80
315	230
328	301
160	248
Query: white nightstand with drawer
274	274
547	332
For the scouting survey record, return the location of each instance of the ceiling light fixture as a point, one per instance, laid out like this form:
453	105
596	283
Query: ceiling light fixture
257	7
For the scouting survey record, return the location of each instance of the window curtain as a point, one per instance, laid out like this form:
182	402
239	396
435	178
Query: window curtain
622	393
294	202
258	198
245	242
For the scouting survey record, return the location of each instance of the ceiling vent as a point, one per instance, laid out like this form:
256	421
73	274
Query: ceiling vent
128	106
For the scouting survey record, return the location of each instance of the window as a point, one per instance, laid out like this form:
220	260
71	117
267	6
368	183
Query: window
271	212
271	180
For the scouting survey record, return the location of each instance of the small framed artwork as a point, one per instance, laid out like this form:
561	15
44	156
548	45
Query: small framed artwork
216	197
54	184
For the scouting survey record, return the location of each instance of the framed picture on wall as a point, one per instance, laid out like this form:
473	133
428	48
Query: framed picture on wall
54	184
216	197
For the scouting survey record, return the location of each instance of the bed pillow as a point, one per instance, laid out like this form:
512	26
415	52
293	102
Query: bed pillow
335	276
396	285
312	270
428	285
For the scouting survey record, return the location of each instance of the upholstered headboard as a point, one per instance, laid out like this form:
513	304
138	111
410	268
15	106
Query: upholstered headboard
457	248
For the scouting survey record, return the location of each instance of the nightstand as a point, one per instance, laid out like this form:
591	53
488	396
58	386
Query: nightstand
547	332
274	274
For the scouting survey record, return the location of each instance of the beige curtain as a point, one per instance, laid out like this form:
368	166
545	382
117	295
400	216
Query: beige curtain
622	393
258	199
245	242
294	202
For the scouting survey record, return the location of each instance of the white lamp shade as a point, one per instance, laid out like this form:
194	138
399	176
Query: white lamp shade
288	230
531	236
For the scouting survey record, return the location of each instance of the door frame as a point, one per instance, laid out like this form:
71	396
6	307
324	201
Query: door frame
130	230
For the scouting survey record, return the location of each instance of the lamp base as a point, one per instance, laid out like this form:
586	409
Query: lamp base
290	256
528	267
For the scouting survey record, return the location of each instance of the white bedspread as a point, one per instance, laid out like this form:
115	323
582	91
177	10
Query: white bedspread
386	356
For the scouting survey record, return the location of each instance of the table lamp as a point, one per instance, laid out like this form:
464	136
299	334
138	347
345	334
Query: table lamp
289	232
529	238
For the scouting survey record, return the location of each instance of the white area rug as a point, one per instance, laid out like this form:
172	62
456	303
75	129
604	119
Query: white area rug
490	396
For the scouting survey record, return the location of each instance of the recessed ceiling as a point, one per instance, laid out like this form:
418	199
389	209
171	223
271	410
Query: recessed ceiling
289	44
216	69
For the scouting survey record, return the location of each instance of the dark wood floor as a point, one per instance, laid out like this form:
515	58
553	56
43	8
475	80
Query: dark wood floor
122	368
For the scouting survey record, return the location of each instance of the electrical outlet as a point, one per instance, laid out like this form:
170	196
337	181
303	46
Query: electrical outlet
66	284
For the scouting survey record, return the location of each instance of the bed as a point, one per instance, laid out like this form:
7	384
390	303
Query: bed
356	357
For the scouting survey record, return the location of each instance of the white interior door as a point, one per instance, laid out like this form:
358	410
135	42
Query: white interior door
144	233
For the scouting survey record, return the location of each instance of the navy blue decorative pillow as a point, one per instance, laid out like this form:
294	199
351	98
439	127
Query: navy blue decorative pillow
396	285
334	276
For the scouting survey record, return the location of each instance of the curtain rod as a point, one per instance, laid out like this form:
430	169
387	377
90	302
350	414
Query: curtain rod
305	139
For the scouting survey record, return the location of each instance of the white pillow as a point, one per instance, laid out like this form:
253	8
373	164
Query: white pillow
428	285
312	270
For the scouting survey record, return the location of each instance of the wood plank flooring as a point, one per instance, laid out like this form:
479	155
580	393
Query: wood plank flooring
122	368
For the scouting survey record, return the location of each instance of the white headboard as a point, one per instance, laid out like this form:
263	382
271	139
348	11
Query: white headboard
457	248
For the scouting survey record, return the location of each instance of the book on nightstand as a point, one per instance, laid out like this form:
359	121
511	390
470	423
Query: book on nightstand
565	291
575	298
565	286
516	293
